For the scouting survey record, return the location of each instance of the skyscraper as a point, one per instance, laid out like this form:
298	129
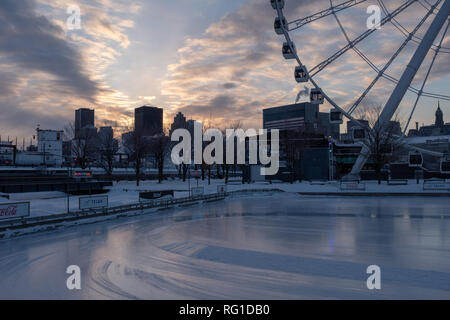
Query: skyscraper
83	118
179	122
106	132
148	121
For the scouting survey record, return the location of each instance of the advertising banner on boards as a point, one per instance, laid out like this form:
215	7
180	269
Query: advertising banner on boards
14	210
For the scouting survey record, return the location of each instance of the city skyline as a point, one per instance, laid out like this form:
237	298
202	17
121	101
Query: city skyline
222	63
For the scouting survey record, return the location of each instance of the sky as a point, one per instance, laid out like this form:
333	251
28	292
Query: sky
216	61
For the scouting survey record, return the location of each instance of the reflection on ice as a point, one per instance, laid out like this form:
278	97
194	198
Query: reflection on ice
282	246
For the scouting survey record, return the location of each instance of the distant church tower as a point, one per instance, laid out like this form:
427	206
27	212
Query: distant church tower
439	117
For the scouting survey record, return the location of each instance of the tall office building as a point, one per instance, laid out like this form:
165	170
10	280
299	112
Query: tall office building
179	122
106	132
190	126
83	118
148	120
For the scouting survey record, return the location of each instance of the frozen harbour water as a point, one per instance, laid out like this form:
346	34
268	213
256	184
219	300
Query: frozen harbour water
264	247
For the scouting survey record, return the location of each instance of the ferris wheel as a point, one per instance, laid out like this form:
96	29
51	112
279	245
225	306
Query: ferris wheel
437	11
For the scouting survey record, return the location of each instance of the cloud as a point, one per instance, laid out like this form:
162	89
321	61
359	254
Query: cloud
241	52
33	43
9	83
230	72
230	85
48	71
151	98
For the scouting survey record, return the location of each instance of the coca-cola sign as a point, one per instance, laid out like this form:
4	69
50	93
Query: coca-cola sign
14	210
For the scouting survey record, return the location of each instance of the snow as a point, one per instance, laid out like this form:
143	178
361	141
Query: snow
424	140
126	192
283	246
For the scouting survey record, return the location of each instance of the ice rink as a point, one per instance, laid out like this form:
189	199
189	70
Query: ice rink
264	247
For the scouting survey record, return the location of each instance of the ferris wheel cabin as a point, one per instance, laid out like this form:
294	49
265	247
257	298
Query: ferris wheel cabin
278	26
336	117
301	74
274	4
316	96
289	50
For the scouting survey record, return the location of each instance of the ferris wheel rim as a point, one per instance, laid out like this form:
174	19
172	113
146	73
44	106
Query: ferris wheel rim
382	73
417	39
312	81
286	31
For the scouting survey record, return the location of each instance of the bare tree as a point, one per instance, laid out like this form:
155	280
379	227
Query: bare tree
159	148
108	148
383	142
234	125
205	168
136	146
84	144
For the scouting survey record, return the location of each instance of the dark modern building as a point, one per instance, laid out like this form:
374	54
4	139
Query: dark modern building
83	118
148	120
304	145
106	132
302	116
329	129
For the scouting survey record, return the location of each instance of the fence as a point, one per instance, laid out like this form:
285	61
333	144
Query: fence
10	225
352	186
103	212
436	185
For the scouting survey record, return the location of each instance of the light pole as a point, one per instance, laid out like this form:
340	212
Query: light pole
189	179
330	159
68	202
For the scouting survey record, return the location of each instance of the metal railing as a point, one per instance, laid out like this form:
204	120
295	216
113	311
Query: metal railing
20	223
103	212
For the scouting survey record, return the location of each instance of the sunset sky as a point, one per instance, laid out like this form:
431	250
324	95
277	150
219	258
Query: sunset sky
214	60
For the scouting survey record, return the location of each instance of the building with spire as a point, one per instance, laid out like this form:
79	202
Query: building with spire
439	128
439	123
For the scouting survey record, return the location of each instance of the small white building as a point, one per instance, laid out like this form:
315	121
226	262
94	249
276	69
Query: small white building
50	145
49	153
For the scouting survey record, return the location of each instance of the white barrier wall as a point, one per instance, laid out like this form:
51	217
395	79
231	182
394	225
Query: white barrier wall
93	202
14	210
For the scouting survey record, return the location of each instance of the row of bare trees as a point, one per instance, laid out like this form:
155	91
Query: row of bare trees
88	147
138	147
84	145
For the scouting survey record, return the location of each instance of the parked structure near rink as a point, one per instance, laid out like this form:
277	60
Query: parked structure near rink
49	151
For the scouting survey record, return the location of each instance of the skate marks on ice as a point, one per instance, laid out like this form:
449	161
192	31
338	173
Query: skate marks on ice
264	248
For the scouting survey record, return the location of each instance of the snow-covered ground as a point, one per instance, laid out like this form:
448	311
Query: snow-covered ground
280	246
126	192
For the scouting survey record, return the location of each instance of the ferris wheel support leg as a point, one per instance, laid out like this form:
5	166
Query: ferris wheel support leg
359	164
405	81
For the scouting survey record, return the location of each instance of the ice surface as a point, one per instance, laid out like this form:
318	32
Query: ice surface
281	246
